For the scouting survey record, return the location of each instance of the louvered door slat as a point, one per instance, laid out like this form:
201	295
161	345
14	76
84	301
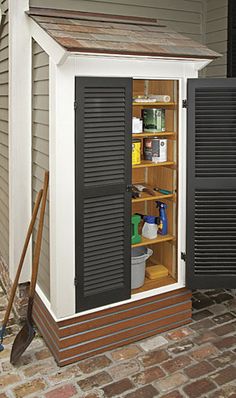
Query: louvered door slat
103	205
211	185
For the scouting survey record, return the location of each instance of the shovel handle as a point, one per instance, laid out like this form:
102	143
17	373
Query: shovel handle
27	239
37	249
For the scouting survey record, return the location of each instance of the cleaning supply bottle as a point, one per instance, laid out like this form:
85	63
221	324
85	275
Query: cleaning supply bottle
149	229
162	229
135	236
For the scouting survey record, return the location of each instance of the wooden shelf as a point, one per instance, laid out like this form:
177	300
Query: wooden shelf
147	163
163	133
154	284
154	104
146	196
159	239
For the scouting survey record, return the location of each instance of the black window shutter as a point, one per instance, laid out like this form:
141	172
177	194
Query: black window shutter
211	183
103	141
231	47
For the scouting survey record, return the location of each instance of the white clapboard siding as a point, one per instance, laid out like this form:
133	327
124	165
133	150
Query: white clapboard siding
4	174
184	16
40	152
216	36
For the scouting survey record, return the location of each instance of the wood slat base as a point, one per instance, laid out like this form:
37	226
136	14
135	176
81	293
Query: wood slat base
83	336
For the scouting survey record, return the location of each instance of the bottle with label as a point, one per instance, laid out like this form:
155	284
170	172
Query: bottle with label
163	226
149	229
135	236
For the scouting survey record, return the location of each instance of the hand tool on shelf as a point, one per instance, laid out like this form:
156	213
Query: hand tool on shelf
27	333
135	193
163	191
19	269
142	188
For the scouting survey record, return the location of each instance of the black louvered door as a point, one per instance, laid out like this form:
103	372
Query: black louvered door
231	43
102	197
211	183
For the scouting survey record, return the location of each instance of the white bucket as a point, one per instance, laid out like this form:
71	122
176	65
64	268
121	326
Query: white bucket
138	262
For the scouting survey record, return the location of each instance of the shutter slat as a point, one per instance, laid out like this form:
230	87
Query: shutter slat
211	205
104	267
103	206
104	254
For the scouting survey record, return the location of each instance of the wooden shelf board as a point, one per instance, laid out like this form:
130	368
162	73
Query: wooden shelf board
154	104
154	284
146	197
146	163
144	135
159	239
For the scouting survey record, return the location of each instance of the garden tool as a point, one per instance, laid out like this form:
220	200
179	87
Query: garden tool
27	333
15	283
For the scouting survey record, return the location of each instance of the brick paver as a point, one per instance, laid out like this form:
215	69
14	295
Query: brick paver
197	360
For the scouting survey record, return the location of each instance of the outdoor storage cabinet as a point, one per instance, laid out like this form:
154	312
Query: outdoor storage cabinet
92	86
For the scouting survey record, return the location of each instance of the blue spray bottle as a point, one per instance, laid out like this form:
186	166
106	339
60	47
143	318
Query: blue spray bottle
162	229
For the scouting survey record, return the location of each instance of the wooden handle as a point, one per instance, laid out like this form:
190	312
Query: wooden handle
39	237
27	239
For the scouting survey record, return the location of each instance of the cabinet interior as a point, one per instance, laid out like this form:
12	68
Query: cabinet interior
163	175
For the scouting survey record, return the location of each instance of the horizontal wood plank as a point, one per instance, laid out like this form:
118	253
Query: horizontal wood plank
87	335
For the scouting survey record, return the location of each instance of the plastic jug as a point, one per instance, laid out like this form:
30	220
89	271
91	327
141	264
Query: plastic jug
149	229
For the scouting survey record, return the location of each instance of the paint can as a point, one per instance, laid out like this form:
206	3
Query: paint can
153	120
155	149
136	152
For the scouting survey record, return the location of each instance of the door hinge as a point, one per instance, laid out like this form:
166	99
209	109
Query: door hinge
75	281
128	188
76	105
184	104
183	256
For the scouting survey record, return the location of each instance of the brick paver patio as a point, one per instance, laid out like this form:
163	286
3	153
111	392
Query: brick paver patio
197	360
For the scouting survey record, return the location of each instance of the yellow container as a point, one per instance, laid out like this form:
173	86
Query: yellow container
136	152
156	271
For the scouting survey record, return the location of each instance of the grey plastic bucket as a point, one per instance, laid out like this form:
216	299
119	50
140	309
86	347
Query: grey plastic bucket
139	255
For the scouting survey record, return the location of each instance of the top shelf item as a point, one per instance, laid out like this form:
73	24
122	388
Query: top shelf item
154	104
152	100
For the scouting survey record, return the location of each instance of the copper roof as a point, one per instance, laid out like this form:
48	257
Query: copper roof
112	34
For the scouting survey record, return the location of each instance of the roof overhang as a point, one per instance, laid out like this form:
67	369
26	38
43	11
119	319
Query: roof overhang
59	55
64	33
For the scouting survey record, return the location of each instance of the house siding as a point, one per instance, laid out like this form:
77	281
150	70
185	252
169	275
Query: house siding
4	164
183	16
202	20
216	35
40	152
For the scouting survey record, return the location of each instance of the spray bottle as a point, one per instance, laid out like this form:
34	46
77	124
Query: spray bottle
162	229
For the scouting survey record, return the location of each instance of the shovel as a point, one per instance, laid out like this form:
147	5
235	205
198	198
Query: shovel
15	284
27	333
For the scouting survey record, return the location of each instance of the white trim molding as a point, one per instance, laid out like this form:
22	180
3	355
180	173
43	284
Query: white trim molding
19	134
57	53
